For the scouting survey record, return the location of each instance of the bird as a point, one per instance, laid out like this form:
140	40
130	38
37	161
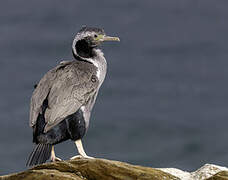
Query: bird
62	101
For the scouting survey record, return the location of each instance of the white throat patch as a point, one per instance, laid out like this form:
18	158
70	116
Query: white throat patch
97	63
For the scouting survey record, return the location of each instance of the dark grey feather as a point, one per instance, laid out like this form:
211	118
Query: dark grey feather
39	155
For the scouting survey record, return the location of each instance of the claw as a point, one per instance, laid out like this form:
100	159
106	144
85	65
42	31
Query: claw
81	157
54	159
76	157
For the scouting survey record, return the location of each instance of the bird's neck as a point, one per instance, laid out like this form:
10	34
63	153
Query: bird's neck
96	58
100	62
84	52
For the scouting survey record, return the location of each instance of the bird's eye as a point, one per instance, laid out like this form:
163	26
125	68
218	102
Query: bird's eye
95	35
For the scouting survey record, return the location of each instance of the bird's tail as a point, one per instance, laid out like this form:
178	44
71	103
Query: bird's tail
40	154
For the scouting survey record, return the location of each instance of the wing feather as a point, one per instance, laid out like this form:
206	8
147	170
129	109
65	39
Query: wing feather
39	95
67	88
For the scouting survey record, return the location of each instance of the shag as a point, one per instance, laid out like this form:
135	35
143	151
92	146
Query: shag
62	101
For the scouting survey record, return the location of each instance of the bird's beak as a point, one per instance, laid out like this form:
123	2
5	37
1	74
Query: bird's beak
109	38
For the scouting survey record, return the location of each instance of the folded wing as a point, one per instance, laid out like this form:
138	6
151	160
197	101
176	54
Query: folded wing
67	87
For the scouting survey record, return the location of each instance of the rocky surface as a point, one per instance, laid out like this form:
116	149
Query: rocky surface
205	172
101	169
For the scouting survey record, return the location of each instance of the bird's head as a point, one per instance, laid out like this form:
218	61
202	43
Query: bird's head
87	39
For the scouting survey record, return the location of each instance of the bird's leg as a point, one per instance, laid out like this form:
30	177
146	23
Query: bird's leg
81	151
53	157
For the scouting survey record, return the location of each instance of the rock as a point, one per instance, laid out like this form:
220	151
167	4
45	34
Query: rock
207	171
89	169
101	169
223	175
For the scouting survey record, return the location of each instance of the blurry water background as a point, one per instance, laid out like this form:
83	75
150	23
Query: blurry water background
164	102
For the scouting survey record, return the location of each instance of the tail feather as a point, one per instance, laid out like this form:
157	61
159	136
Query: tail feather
40	154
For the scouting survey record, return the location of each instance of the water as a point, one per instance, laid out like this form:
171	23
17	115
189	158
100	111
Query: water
164	101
